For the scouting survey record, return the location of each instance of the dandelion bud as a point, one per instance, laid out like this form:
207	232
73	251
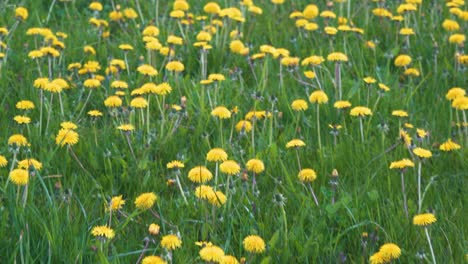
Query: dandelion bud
334	173
153	229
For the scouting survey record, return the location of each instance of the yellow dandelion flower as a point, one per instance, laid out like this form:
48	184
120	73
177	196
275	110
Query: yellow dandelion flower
221	112
449	145
310	11
153	229
92	83
139	102
68	125
424	219
211	254
217	199
450	25
119	84
454	93
21	13
254	244
171	242
30	164
360	111
400	113
145	201
163	89
95	6
200	174
19	177
228	259
66	137
151	31
342	104
390	251
212	8
402	60
401	164
21	119
255	165
204	192
175	66
18	140
25	105
126	127
113	101
319	97
299	105
244	126
377	258
103	232
337	57
230	167
175	164
3	161
460	103
153	260
148	70
295	143
307	175
216	155
422	153
116	203
95	113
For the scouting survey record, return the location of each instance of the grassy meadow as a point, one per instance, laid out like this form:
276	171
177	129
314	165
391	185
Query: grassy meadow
233	131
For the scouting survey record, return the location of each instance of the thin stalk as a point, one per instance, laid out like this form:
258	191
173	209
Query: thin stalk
147	241
85	103
430	245
362	129
181	189
419	187
253	135
298	160
61	104
216	176
137	3
49	113
221	132
313	194
318	126
127	136
25	195
285	222
405	205
338	79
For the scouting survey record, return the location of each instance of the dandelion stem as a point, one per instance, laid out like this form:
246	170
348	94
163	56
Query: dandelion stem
405	205
253	135
298	160
318	127
84	105
313	194
338	78
61	104
137	3
25	195
419	186
49	113
465	124
147	241
181	189
285	222
221	132
216	176
130	145
430	245
362	129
